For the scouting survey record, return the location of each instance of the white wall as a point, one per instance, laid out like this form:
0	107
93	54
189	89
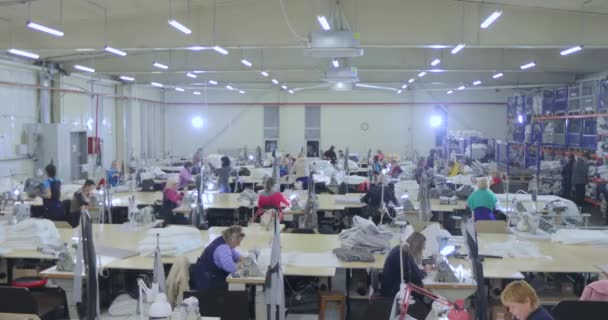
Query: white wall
19	107
79	111
223	126
400	128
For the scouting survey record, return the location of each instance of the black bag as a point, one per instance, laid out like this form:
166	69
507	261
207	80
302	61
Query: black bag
147	185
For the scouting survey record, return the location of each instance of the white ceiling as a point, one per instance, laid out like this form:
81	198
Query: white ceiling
397	36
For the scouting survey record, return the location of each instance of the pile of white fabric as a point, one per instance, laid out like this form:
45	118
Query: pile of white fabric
31	234
365	234
351	164
409	187
550	181
580	236
259	173
173	240
152	173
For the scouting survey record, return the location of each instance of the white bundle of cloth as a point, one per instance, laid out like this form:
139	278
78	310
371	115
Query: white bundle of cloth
462	179
31	234
351	164
324	168
173	241
580	236
409	187
365	234
259	173
476	150
432	232
512	248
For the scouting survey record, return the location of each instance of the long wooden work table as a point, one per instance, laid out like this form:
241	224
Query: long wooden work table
556	257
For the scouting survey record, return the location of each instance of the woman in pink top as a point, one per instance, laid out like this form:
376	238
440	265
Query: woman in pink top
171	200
271	198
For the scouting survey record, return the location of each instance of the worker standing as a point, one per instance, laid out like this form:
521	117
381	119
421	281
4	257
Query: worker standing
330	155
579	178
51	195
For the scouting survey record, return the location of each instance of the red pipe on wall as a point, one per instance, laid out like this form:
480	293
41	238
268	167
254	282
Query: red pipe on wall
236	104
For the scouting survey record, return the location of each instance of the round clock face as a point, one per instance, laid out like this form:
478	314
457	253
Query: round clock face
364	126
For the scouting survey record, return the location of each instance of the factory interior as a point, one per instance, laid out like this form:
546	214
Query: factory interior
304	159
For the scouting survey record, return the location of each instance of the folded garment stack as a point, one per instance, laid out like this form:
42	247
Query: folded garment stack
366	235
32	234
353	255
173	240
550	182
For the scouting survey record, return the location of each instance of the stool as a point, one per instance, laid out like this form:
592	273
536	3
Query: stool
337	297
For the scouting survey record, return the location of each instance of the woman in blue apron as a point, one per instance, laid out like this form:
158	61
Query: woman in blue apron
219	259
51	194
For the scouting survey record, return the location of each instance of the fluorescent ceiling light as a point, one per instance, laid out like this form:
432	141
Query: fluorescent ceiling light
191	75
246	62
411	80
438	46
221	50
436	70
85	49
160	65
528	66
179	89
404	86
324	23
335	63
489	20
498	75
275	81
199	71
175	24
450	91
571	50
461	88
156	84
196	48
290	91
457	48
284	87
229	87
42	28
476	83
435	62
115	51
126	78
213	82
422	74
83	68
196	93
24	53
399	91
264	73
241	92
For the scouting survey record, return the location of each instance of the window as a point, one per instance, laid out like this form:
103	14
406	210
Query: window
271	128
312	130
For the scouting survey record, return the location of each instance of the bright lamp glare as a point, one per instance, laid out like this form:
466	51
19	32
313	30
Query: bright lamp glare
24	53
571	50
435	62
457	48
489	20
435	121
324	23
197	122
175	24
520	118
447	250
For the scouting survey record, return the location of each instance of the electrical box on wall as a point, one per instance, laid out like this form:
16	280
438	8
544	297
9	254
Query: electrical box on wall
94	145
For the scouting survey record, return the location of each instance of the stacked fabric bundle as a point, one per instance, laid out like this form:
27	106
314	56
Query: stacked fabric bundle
31	234
173	240
366	235
550	181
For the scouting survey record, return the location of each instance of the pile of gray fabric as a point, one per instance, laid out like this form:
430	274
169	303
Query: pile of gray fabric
408	205
365	235
441	191
355	254
464	192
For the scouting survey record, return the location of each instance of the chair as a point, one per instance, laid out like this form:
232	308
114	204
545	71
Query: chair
483	213
22	301
327	297
568	310
489	226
